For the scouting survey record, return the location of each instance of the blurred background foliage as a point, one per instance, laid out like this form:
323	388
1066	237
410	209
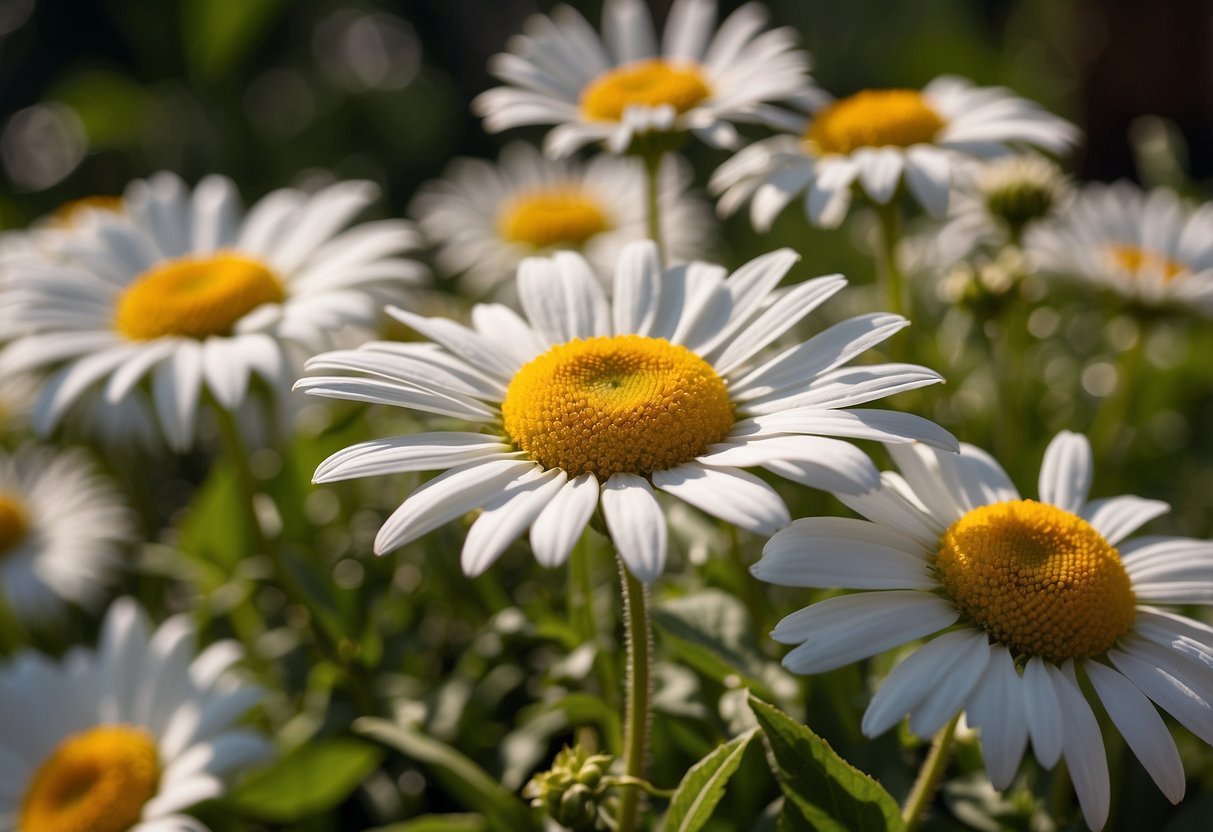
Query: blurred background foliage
275	92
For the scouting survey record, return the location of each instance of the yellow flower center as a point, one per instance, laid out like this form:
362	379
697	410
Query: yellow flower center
648	83
1143	261
95	781
556	217
14	523
1038	579
873	118
69	213
617	404
195	297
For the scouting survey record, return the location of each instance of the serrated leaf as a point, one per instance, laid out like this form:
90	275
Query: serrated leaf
830	793
703	785
458	773
312	780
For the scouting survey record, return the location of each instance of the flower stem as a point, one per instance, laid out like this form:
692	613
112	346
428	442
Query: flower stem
929	776
887	271
652	194
1110	435
639	634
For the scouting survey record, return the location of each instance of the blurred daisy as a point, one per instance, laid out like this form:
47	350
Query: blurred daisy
183	289
487	218
624	85
588	402
877	139
1023	598
123	739
1152	249
46	561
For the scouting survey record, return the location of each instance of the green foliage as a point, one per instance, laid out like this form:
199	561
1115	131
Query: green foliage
311	780
218	33
704	784
821	787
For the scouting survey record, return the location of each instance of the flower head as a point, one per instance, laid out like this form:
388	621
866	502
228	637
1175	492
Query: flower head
486	218
1021	598
125	738
877	139
62	527
586	402
1152	249
183	289
624	85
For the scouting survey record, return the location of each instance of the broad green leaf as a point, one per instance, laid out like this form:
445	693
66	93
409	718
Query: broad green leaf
215	529
703	785
438	823
313	779
458	773
829	792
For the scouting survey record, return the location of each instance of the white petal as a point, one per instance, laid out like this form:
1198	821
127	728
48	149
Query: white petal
841	552
415	452
446	497
562	298
882	425
1118	517
636	523
788	310
506	517
176	385
974	478
816	461
880	172
1084	750
1042	712
558	527
1141	726
928	174
845	629
637	288
996	709
1173	695
733	495
1065	473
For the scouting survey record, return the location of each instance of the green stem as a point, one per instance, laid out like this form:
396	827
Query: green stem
929	776
887	271
1110	433
639	635
238	457
652	194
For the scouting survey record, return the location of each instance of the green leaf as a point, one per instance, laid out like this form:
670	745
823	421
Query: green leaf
703	786
313	779
830	793
215	529
438	823
458	773
218	33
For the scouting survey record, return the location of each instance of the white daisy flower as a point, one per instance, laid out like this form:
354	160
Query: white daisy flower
875	140
487	218
586	402
625	85
46	561
123	739
1152	249
185	290
1023	599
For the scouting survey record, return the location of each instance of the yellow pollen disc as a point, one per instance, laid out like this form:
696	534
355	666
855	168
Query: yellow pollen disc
95	781
1038	579
69	213
648	83
195	297
14	522
873	118
1143	261
556	217
610	405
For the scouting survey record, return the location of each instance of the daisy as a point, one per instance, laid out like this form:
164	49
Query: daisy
45	560
876	140
125	738
1152	249
182	289
624	85
587	403
487	218
1024	599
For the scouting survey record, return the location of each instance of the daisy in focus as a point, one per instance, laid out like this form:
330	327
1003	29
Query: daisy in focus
586	403
489	217
623	85
45	561
1153	249
877	140
123	739
1023	599
182	288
